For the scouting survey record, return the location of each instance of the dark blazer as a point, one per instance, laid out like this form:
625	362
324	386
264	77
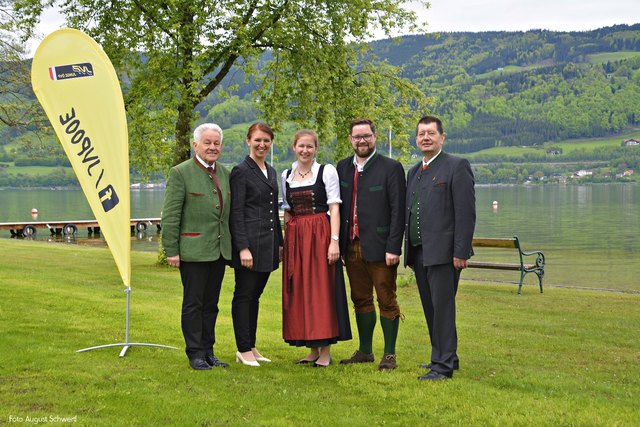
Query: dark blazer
447	210
380	201
255	220
193	225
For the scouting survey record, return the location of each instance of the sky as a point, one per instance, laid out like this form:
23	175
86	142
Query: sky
522	15
491	15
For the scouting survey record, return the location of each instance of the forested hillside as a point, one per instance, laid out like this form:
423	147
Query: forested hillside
492	89
524	88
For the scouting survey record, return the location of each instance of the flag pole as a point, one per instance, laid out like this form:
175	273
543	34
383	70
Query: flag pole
126	344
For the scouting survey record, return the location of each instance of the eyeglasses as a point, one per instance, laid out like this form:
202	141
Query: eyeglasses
365	138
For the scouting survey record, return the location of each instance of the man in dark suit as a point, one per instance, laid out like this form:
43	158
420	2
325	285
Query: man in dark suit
441	215
372	189
196	239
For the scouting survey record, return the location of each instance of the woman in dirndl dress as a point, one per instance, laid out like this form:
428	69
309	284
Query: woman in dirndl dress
314	303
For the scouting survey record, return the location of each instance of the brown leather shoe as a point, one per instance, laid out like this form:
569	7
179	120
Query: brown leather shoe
358	357
388	361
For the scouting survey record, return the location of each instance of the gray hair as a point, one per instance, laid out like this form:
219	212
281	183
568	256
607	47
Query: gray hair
197	133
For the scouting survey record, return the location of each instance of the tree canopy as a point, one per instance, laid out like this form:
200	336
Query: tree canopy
16	109
20	113
172	54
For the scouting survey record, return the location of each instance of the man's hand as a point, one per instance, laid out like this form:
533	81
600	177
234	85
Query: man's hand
460	263
392	259
173	261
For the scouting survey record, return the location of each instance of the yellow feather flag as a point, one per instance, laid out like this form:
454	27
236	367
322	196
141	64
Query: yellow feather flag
78	88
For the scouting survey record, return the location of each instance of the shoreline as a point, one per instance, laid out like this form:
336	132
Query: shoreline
158	187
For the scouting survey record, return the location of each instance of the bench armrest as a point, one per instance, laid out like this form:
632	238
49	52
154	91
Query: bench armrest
540	260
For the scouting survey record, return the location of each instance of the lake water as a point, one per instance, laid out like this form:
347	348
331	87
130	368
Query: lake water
589	234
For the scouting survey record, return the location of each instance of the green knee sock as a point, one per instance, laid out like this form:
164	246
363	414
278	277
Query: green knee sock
366	323
390	332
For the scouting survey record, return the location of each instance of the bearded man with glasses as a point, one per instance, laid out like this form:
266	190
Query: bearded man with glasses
372	189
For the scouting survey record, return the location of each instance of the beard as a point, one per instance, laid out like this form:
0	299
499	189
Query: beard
364	151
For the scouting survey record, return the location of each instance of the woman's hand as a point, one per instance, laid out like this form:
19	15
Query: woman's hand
246	258
334	252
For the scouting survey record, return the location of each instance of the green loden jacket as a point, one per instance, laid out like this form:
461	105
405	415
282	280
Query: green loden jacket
194	225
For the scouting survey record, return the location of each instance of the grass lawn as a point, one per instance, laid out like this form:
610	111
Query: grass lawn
501	152
600	58
565	357
509	69
36	170
568	146
589	144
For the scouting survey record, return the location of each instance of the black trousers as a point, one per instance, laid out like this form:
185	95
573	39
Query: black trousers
438	285
201	283
245	306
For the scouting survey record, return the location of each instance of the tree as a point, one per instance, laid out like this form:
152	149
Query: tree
20	113
172	54
18	104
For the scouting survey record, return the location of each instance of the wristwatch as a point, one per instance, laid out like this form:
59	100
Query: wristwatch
335	237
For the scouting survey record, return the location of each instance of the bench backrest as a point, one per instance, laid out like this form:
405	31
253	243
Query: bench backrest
492	242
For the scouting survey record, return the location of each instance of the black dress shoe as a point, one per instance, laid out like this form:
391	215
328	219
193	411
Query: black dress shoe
199	364
214	362
433	376
456	365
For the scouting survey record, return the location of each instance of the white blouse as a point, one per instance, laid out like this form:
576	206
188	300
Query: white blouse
329	177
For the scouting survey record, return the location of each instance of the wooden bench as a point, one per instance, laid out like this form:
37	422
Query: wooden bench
510	243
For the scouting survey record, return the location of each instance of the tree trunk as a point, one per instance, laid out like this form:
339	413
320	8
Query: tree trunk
182	150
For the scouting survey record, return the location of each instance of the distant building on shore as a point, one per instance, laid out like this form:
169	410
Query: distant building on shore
582	173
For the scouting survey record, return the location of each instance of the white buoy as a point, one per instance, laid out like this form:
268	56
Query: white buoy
495	204
34	213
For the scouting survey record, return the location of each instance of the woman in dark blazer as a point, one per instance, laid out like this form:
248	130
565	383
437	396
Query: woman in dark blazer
256	237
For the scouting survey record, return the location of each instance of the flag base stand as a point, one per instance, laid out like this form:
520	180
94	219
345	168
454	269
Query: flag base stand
126	345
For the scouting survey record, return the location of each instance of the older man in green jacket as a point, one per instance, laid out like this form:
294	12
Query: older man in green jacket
196	239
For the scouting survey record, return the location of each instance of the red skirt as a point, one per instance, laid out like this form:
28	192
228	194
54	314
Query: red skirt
309	282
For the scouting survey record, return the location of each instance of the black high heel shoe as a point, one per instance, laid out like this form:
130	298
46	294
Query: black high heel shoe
305	361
